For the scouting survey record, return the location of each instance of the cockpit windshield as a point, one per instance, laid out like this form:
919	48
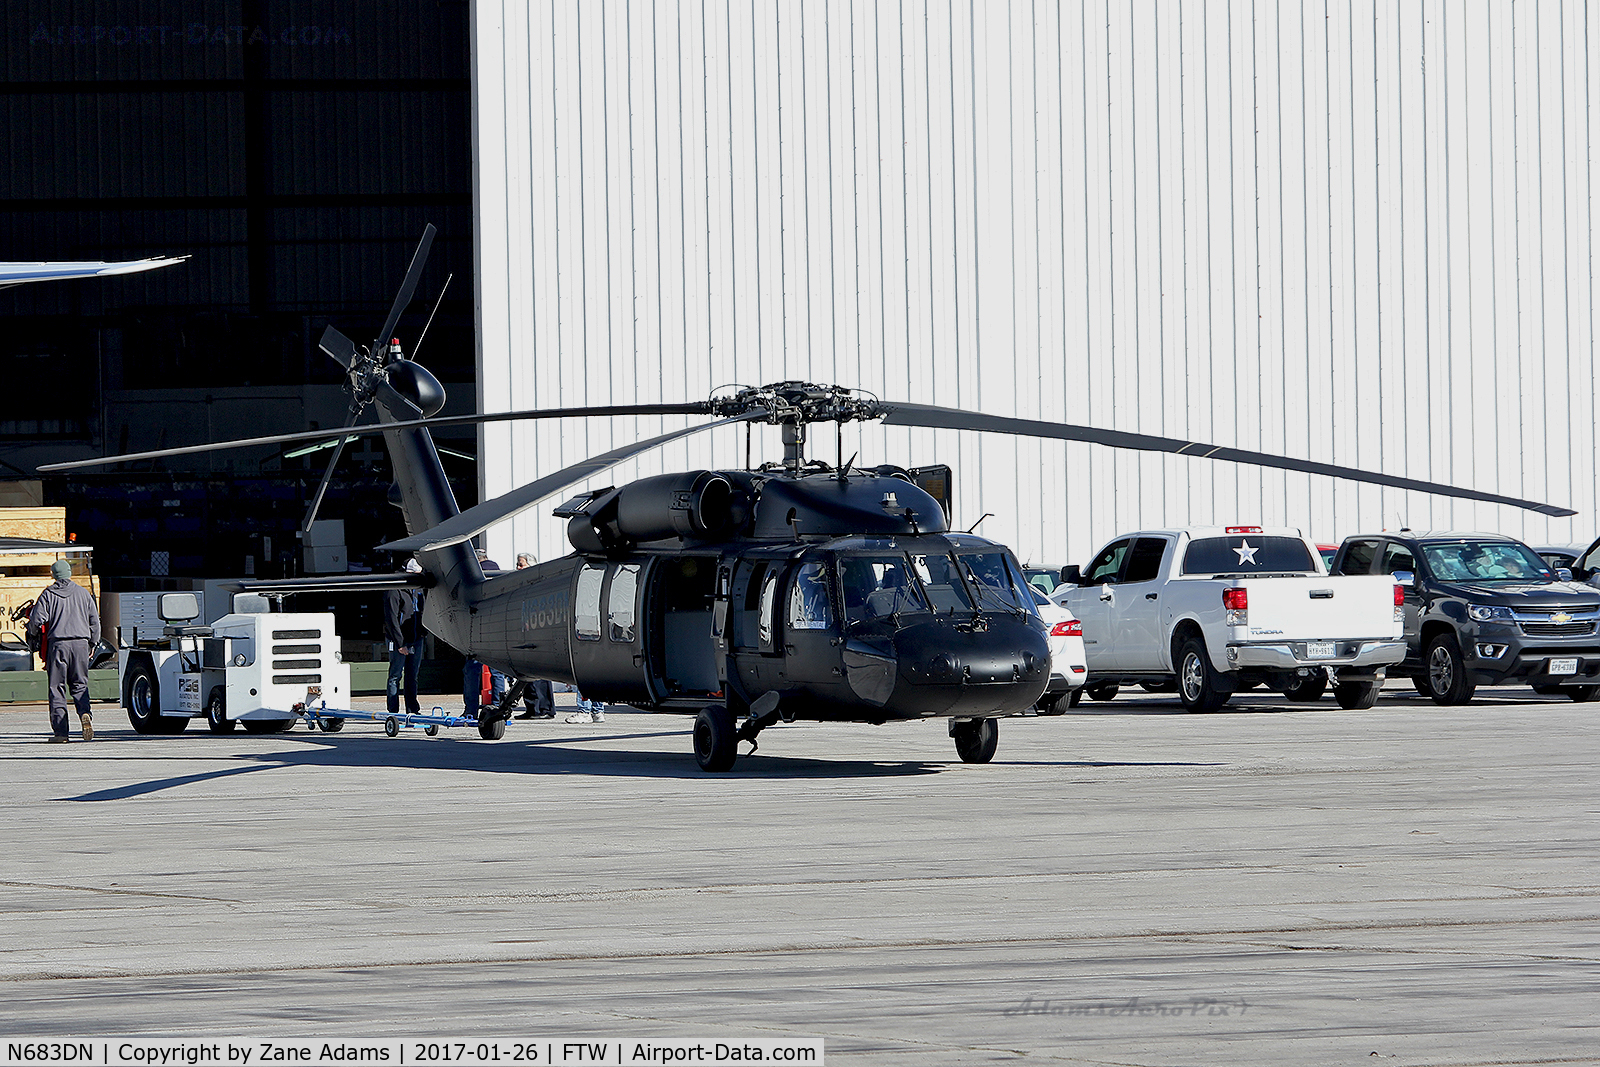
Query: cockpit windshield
874	587
963	582
996	582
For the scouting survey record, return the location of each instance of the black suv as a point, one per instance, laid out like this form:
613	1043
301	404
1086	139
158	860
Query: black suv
1482	609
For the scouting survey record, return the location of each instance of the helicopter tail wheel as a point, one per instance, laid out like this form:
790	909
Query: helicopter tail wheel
490	729
976	739
716	742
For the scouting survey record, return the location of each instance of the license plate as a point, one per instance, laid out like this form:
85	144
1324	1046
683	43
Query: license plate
1329	650
1564	666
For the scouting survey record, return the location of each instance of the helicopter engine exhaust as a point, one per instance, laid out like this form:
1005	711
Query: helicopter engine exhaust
697	505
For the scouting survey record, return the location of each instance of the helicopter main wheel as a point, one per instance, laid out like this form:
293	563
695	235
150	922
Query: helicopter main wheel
491	730
217	711
716	742
331	725
976	739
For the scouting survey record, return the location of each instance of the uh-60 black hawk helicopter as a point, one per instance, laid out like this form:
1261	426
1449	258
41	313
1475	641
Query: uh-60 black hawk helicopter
795	591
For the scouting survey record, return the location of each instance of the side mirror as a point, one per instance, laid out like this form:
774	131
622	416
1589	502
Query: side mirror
1405	578
1071	575
1563	574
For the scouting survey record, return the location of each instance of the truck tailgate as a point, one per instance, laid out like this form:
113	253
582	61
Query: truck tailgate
1320	607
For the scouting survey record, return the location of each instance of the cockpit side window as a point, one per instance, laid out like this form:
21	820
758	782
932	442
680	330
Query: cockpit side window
809	608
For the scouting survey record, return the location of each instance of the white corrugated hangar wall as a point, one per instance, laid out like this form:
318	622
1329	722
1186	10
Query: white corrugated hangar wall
1360	233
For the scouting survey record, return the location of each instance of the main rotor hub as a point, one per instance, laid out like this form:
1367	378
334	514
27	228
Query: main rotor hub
798	403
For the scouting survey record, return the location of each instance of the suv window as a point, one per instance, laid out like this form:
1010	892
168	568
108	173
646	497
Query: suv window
1397	558
1144	562
1107	563
1248	554
1358	557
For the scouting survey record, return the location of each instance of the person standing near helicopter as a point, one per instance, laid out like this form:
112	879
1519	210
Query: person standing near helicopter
65	625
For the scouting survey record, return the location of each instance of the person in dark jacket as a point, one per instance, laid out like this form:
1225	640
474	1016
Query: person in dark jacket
65	627
402	627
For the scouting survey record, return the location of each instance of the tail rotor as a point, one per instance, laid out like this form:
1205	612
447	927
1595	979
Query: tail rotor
382	363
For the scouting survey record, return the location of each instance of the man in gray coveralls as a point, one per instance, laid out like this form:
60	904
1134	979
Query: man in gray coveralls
66	617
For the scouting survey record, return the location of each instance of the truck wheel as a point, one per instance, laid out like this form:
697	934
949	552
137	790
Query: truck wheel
1581	693
1075	697
143	699
1198	684
1106	691
1419	682
1309	687
1355	695
1447	673
1055	705
217	711
976	740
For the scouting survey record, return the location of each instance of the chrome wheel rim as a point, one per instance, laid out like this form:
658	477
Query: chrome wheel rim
1193	676
139	697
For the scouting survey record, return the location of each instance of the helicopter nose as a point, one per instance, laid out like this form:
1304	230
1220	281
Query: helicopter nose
946	669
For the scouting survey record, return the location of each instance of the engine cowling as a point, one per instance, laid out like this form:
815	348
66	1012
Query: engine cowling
695	505
417	384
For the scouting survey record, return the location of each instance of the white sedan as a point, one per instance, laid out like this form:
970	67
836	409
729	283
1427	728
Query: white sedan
1069	667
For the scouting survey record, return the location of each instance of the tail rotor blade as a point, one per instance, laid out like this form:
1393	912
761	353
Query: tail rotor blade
408	287
338	346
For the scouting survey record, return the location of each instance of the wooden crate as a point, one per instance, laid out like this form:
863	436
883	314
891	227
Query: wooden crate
43	524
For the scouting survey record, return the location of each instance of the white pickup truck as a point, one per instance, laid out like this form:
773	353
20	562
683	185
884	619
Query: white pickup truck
1216	609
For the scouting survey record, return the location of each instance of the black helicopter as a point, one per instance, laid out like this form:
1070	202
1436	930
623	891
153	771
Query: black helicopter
797	590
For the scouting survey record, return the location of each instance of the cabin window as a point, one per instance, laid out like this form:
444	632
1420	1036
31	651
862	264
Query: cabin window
767	624
624	596
586	612
808	599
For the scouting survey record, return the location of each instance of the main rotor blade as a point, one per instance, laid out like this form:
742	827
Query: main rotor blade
929	416
419	259
695	408
475	520
322	486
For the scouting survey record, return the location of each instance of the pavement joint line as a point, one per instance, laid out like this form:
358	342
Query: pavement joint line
790	949
118	890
